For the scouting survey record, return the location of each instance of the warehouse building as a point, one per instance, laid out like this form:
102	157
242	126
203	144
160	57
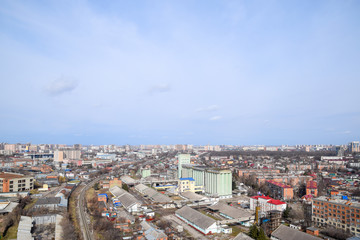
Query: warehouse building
197	220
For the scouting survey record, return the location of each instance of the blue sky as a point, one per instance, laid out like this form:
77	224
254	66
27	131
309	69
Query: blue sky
165	72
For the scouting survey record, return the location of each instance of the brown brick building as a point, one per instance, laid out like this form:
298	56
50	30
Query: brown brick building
343	214
280	190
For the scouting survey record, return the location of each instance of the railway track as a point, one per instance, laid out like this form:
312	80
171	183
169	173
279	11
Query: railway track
84	222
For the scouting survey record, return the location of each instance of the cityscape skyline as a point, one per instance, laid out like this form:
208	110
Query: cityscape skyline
224	72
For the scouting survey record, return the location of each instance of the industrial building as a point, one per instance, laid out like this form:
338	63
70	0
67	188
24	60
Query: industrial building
286	233
188	185
197	220
24	228
235	215
155	196
216	182
182	159
128	201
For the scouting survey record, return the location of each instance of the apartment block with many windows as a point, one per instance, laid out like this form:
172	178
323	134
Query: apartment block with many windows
338	213
13	182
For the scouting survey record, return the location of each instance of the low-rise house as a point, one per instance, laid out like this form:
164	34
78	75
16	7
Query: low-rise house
242	236
152	233
126	217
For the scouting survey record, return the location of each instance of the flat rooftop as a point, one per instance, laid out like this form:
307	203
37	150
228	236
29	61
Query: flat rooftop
6	175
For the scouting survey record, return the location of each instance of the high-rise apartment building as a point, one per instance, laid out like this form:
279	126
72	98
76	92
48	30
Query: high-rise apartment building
58	156
354	147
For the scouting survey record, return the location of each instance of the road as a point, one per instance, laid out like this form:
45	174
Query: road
84	221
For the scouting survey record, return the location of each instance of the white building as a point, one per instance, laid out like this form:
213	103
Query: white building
182	159
266	203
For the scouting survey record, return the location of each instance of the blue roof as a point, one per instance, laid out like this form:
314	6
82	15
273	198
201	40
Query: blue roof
102	194
189	178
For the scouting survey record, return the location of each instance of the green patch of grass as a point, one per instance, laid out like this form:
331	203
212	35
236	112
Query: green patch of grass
34	191
11	232
74	181
235	231
31	204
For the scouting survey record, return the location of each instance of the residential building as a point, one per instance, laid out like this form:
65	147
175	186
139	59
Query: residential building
152	233
266	203
58	156
338	213
280	190
311	188
11	182
354	147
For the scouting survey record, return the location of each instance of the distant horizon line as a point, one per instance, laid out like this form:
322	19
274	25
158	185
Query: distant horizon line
187	144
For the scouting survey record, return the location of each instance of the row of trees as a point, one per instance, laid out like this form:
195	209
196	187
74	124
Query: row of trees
14	217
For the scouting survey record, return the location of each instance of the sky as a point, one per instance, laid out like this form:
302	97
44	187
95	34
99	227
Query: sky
180	72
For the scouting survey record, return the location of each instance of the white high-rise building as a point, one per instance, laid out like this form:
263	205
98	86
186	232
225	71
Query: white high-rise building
182	159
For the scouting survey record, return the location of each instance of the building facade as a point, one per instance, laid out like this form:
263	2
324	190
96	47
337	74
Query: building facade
266	203
216	182
188	185
10	182
337	213
280	190
182	159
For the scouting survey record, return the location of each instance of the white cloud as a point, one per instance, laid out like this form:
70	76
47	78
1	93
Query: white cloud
346	132
160	88
60	86
211	108
215	118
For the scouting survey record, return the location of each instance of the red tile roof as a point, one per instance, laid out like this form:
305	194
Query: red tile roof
276	202
270	200
311	185
263	197
278	184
